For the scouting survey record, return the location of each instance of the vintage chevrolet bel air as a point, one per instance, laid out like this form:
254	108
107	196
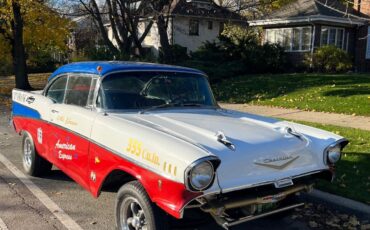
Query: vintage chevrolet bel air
158	133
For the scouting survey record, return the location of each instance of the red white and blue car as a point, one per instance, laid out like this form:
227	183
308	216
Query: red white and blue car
157	131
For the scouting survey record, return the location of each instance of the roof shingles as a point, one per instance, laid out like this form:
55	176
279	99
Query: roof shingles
301	8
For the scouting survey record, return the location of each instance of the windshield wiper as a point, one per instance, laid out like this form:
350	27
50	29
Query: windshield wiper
158	107
167	105
192	104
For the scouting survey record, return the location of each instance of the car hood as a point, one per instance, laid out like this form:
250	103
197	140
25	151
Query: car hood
261	148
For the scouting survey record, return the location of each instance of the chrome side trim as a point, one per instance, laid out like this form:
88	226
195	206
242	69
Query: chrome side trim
147	167
161	129
123	156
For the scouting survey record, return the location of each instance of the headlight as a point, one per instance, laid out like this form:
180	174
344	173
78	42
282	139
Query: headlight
333	152
200	175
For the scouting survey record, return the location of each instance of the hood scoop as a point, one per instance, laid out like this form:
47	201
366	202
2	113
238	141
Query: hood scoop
223	139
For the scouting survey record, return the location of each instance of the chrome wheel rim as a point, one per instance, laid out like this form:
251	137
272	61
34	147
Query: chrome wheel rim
132	215
27	153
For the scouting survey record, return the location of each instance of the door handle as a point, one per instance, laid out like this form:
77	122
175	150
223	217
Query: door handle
30	99
54	111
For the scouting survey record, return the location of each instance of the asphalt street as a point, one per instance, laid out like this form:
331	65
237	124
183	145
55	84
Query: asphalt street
20	208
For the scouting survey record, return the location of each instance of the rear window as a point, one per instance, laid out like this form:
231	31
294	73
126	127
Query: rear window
73	90
79	90
56	91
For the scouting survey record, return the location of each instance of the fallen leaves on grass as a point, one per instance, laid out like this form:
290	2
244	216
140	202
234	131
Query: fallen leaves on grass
318	216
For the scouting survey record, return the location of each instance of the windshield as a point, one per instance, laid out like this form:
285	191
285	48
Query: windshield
145	90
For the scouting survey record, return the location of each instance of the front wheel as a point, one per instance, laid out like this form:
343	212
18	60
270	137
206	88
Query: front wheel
134	210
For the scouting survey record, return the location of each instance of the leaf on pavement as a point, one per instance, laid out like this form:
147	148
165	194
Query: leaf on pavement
313	224
353	221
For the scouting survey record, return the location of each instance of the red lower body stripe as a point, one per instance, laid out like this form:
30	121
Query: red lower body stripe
79	162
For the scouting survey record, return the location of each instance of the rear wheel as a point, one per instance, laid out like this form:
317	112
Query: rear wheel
33	164
135	211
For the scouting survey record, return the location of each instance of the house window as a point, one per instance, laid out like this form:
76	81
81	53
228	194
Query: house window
221	28
332	36
210	25
292	39
193	27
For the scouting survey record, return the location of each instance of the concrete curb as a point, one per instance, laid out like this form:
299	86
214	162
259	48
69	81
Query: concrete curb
340	203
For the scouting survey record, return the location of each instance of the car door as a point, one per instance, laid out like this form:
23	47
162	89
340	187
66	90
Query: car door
71	122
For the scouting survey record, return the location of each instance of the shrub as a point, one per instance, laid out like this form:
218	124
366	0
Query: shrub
178	55
329	59
6	65
237	52
41	62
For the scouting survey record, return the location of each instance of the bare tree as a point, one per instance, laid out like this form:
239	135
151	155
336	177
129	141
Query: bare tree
123	18
161	10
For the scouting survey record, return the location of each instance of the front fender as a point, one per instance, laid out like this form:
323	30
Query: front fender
169	195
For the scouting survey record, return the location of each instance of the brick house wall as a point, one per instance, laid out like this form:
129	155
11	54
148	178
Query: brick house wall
362	6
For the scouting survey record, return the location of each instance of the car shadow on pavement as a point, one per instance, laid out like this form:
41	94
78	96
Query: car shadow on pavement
57	175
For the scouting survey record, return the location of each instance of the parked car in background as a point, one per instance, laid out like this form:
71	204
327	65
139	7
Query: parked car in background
157	131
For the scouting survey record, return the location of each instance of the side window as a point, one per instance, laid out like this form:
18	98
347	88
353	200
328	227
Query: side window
57	90
193	27
79	90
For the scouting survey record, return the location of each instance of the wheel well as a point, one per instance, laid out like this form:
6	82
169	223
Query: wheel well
115	179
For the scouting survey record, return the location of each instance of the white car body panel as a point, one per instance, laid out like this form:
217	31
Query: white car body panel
185	135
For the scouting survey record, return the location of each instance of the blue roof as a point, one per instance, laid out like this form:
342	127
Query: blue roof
116	66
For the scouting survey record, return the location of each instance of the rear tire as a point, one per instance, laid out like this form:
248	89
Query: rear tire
134	210
33	163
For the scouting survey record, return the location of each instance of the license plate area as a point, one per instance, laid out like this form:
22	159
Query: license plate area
261	208
283	183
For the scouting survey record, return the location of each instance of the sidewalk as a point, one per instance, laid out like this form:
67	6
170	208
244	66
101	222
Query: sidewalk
359	122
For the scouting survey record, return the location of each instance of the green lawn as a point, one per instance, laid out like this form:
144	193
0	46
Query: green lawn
339	93
353	170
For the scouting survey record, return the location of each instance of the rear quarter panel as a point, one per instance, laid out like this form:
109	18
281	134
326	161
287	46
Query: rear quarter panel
31	116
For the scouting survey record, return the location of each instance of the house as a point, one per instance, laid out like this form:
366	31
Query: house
191	23
304	25
84	37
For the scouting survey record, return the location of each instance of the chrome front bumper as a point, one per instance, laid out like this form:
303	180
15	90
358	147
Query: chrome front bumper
218	207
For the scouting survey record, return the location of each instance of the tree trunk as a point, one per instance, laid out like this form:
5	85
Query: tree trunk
97	15
18	51
163	38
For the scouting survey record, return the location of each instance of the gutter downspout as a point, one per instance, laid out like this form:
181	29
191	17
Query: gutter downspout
312	40
172	32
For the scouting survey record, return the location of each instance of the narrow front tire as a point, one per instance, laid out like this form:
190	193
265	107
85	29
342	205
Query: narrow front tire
135	211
